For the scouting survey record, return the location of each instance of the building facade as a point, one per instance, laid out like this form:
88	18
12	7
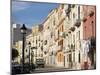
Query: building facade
67	38
89	33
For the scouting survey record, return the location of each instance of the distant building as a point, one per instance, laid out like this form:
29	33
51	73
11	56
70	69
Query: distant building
16	33
16	39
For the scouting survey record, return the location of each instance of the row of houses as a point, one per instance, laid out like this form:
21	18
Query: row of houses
67	38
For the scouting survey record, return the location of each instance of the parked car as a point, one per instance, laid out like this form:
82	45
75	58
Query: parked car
40	62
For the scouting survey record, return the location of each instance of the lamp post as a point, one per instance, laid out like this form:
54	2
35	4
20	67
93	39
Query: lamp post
32	54
36	45
23	31
29	52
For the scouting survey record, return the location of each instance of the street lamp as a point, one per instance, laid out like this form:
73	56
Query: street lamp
32	56
29	52
23	31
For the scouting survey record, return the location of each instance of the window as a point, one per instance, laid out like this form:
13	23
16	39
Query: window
54	22
62	6
69	16
51	34
73	15
58	33
92	28
67	58
79	58
39	44
62	28
73	5
60	58
26	50
48	27
45	42
79	35
74	57
60	43
70	58
39	38
36	41
74	39
78	12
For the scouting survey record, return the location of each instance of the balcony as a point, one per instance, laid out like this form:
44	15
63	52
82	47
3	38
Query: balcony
51	53
69	32
78	23
68	10
72	29
42	48
45	52
45	49
84	19
63	34
59	48
55	49
73	5
45	42
71	46
91	13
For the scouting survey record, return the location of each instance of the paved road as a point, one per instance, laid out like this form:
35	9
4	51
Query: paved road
49	69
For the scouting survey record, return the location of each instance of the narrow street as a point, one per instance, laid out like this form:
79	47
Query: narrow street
50	69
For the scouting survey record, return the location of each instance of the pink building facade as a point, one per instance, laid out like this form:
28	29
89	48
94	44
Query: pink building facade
89	32
89	24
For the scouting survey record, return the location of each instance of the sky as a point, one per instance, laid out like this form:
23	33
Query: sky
30	13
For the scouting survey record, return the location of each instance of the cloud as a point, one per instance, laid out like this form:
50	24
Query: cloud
18	5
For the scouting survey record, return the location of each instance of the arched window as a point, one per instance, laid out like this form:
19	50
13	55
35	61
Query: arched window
60	57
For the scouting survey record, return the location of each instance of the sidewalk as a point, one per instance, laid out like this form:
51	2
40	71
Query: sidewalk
61	67
58	67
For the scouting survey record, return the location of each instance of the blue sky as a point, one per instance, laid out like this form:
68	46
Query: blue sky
30	13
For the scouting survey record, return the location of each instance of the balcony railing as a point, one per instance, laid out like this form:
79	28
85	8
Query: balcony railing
42	48
73	5
91	13
45	52
68	10
71	46
72	29
69	32
59	48
50	53
45	42
84	19
78	23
